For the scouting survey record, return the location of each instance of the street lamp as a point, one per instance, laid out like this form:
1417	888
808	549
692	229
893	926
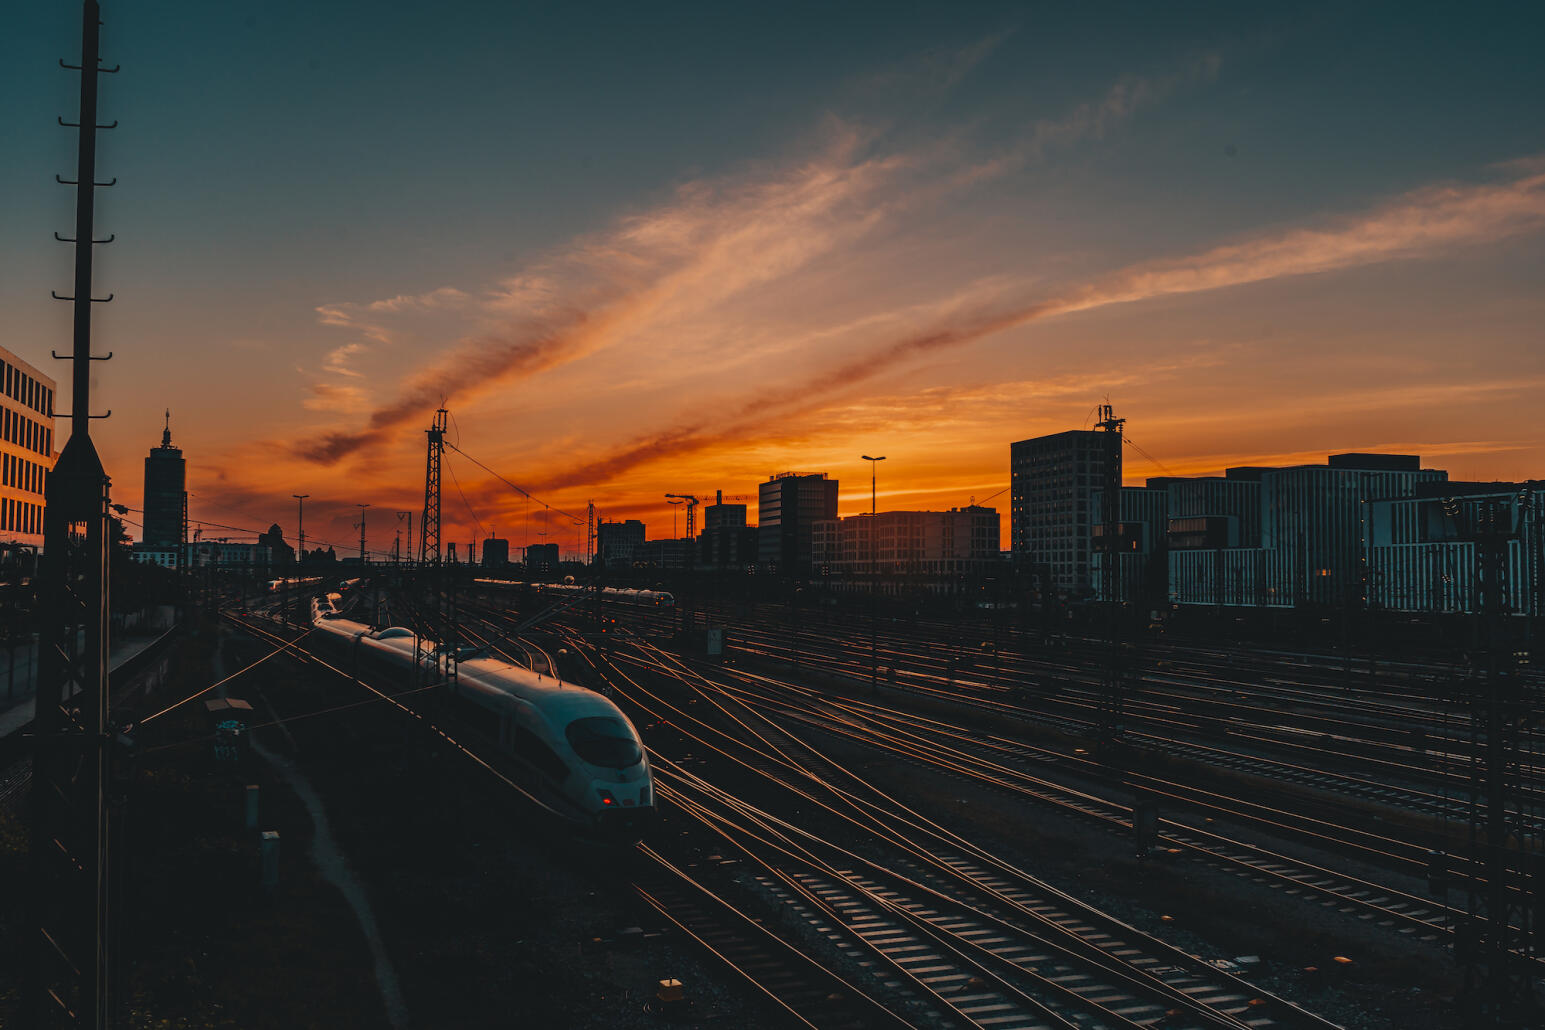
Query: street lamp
873	464
874	576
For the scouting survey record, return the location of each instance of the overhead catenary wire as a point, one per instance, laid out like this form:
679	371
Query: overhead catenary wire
466	503
260	532
218	683
1151	459
518	489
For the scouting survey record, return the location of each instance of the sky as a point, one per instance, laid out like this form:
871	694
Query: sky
640	249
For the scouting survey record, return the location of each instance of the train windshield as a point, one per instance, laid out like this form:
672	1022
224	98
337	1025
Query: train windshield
604	741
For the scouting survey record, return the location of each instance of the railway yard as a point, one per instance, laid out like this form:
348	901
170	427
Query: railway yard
913	823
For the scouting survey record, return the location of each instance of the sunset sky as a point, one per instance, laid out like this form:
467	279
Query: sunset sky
640	248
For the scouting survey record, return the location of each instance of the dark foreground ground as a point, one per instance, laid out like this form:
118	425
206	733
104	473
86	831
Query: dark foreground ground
488	915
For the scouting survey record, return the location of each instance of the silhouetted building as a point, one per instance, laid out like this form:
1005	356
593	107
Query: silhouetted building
1313	533
617	542
281	552
1234	496
225	554
929	550
1052	481
729	547
663	554
165	483
1421	558
1139	549
26	449
541	557
718	514
496	553
788	506
726	542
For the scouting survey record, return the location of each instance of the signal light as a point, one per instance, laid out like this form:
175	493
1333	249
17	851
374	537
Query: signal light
606	797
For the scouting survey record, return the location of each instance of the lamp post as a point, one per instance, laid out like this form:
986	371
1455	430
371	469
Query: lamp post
874	576
300	554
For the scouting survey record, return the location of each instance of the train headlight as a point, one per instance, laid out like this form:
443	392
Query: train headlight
606	797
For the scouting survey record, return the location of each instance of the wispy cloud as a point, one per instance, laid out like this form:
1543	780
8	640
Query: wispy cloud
1422	223
713	242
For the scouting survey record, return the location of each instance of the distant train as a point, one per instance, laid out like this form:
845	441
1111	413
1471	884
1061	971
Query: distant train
585	759
276	585
624	595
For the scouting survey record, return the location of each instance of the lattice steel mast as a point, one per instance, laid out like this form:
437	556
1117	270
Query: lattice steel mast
70	868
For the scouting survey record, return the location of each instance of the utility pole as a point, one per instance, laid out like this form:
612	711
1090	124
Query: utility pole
300	519
361	527
1113	701
874	576
68	897
400	516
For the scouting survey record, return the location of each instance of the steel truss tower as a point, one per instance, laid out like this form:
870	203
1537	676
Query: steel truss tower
441	581
70	868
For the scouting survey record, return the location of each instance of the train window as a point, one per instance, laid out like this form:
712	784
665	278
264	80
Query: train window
605	741
531	747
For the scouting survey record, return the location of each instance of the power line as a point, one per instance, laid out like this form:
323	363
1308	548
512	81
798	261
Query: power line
1152	460
466	503
518	489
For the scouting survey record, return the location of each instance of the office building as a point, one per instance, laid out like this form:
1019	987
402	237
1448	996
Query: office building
1052	514
496	553
26	449
1316	513
541	557
726	542
718	514
1137	548
932	550
1234	497
1422	557
226	554
165	485
663	554
788	507
618	542
1313	523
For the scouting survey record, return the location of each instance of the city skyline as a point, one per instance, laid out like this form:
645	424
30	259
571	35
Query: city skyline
1266	240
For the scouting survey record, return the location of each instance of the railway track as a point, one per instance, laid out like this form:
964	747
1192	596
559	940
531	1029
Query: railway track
1164	733
1110	963
1386	905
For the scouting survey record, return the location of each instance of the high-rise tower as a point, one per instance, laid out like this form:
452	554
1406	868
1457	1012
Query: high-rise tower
166	478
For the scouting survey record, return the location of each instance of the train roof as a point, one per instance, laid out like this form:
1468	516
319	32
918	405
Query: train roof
562	701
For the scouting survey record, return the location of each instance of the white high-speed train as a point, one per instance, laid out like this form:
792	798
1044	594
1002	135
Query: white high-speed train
584	757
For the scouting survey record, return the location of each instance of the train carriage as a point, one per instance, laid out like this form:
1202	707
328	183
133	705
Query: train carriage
583	755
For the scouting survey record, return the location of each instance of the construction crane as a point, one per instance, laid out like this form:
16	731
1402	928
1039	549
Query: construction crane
692	503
